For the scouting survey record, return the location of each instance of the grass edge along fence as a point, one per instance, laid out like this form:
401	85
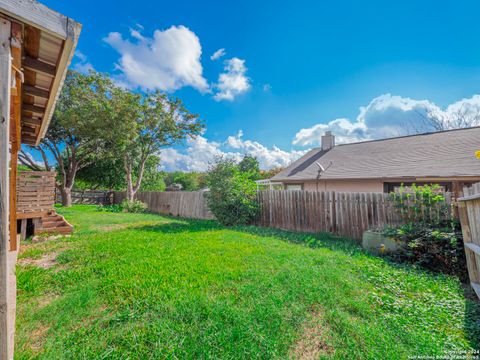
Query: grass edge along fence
340	213
187	204
469	211
344	214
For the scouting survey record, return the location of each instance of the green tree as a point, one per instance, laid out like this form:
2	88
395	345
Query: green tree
105	173
74	138
268	174
153	179
233	194
250	166
190	181
109	173
142	125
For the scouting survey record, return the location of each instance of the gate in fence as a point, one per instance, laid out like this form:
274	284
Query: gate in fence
469	211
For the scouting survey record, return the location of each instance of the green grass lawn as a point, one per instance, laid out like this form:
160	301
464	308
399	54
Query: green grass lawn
143	286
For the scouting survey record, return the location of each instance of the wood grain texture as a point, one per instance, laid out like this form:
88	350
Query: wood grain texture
469	213
39	66
344	214
186	204
5	82
33	13
35	192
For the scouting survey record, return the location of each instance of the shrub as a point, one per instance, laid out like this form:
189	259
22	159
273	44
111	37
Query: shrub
115	208
135	206
233	194
421	203
437	247
433	240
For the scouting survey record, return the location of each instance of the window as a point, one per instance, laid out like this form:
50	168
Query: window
394	187
294	187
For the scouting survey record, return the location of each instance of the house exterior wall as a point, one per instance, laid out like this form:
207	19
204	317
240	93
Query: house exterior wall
345	185
377	185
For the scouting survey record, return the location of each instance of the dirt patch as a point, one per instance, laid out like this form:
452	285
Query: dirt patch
37	338
45	262
113	227
46	300
313	341
48	237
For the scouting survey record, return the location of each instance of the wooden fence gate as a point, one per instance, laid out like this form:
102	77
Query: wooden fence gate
469	211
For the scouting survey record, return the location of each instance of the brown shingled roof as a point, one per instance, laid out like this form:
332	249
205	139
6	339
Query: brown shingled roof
441	154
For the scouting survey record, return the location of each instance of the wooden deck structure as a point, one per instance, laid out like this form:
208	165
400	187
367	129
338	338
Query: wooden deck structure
36	47
35	202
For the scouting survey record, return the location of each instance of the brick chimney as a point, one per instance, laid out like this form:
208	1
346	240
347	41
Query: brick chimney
328	140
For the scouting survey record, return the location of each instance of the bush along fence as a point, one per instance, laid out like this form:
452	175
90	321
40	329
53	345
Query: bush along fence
469	211
344	214
88	197
187	204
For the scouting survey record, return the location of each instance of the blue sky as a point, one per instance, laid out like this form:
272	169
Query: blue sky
288	66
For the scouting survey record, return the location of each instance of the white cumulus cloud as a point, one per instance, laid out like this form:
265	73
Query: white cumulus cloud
167	61
388	116
82	64
233	81
267	157
200	153
218	54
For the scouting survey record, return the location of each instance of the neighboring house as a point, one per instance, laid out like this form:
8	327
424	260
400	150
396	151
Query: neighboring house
446	158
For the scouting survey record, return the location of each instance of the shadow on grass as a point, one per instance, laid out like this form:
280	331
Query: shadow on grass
180	226
312	240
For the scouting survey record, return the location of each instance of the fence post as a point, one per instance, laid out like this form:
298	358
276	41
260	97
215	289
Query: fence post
334	213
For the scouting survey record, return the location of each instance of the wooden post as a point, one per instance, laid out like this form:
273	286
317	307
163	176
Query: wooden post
23	229
15	128
5	82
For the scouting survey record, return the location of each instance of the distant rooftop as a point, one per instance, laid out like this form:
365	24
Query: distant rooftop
440	154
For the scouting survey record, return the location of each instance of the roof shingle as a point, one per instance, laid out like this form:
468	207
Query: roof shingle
441	154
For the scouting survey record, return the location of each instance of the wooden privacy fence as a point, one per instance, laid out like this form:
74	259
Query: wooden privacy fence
92	197
469	211
188	204
35	192
344	214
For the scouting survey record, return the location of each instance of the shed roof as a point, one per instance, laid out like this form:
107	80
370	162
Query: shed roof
48	40
440	154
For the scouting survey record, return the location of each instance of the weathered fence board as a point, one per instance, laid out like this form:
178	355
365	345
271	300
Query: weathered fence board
469	212
345	214
187	204
88	197
35	191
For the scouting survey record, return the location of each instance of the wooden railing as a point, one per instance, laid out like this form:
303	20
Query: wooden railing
469	211
35	193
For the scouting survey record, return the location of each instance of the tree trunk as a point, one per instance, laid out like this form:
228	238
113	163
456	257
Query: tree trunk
130	194
66	196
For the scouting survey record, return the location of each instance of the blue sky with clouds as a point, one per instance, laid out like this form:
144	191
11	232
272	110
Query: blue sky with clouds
289	70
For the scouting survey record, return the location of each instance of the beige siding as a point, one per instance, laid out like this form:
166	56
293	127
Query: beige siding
345	185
